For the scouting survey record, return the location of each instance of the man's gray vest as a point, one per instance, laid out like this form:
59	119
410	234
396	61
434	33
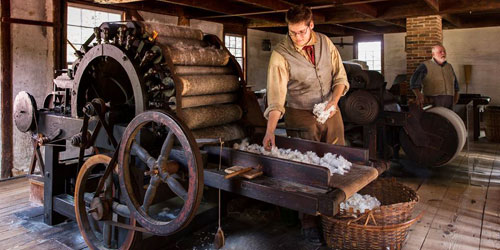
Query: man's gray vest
439	79
308	84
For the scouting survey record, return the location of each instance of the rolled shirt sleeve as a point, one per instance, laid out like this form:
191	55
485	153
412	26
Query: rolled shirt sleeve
339	74
455	82
277	82
418	76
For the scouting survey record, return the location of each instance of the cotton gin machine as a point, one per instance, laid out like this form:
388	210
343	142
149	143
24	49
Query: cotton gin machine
131	137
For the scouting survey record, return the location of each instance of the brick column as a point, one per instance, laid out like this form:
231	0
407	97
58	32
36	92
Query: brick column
421	34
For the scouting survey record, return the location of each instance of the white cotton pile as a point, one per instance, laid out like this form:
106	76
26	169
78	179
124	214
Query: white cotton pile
360	202
335	163
320	112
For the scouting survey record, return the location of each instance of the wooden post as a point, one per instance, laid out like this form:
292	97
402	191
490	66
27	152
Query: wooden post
59	29
6	87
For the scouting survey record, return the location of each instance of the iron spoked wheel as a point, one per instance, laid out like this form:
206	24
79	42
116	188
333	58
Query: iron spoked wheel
161	176
94	214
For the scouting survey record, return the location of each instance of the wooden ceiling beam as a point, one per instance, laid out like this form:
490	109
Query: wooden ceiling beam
115	1
272	5
364	9
223	7
329	29
433	4
453	20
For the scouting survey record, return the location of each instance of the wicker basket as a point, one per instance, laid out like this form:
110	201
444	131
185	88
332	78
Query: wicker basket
492	123
397	202
381	228
341	233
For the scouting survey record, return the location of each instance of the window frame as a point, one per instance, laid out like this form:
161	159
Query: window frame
88	7
243	50
370	38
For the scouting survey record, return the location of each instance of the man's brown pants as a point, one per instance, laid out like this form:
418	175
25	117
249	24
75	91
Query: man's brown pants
303	124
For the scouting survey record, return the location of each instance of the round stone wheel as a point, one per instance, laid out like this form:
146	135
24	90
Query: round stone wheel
446	132
25	112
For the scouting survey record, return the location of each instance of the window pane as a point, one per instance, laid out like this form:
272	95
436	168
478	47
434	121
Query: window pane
74	34
100	17
240	61
227	41
238	53
88	19
74	16
114	17
238	42
371	53
86	33
232	42
70	57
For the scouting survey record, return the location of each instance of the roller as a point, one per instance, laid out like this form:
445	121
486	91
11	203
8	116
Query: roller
204	100
188	55
203	70
208	84
226	132
180	42
361	107
457	123
207	116
173	31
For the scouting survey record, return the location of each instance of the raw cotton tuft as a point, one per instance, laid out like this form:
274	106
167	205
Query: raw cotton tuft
320	112
335	163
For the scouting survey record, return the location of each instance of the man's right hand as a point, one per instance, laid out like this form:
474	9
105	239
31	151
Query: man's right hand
419	99
268	141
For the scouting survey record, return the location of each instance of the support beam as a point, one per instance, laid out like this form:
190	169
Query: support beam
328	29
433	4
115	1
364	9
453	19
59	17
6	88
272	5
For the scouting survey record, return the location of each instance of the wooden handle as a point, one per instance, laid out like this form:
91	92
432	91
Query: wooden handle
231	175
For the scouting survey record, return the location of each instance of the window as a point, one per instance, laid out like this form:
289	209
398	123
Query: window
234	44
81	23
371	53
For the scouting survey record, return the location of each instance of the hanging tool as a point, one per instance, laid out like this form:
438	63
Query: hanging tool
219	240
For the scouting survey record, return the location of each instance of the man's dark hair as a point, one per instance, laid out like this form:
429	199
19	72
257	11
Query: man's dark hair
299	14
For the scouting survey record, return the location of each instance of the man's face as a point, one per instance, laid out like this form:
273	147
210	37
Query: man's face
439	54
300	32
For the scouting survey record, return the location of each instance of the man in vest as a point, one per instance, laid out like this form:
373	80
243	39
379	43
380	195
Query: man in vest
305	69
435	80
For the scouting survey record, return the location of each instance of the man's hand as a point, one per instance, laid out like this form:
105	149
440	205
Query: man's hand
419	98
268	141
330	104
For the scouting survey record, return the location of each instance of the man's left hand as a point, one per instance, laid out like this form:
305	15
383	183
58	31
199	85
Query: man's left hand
455	98
330	104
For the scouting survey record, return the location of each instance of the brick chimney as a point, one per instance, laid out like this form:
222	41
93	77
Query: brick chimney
421	34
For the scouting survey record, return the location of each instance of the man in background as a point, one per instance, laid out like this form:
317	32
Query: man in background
434	81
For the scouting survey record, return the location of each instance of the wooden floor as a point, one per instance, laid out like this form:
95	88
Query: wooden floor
461	202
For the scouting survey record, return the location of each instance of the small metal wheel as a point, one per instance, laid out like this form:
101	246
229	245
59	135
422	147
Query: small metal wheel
161	172
99	217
